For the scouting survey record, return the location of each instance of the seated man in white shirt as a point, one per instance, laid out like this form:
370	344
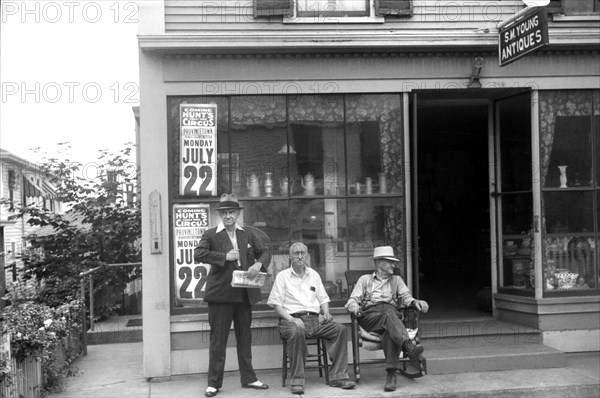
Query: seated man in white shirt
298	296
376	298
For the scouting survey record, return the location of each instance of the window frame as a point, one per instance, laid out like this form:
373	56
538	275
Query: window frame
288	9
329	16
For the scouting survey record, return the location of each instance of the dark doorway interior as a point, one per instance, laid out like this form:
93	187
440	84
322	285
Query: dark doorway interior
453	208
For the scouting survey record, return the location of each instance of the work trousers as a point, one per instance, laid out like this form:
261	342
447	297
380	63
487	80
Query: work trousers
220	316
384	318
335	336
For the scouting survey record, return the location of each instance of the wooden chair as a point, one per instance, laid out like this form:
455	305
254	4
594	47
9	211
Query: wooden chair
362	339
317	359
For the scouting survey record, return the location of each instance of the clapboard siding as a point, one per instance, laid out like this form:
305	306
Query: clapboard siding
202	15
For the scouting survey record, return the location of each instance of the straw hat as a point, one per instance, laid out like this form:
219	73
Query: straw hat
386	252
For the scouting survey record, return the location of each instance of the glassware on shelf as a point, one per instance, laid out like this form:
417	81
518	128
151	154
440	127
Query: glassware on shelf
510	249
382	183
565	279
368	185
269	184
519	271
563	176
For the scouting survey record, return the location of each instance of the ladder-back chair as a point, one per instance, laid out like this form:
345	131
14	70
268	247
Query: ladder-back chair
362	339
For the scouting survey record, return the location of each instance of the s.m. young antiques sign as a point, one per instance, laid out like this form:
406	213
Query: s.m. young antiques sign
198	150
523	36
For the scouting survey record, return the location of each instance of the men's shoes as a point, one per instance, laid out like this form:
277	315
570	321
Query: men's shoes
211	392
297	389
390	380
345	384
412	350
257	385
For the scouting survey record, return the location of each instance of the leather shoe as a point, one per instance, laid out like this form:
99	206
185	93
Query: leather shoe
390	381
412	350
297	390
345	384
211	392
257	385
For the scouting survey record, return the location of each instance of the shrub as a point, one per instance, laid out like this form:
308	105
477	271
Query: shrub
37	330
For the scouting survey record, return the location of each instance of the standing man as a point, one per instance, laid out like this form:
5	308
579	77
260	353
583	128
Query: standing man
376	298
298	296
226	248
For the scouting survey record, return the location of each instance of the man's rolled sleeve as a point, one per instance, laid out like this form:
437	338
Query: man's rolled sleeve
359	288
322	295
403	294
276	295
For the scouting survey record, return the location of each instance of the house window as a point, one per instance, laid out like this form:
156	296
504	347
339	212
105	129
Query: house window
580	7
332	11
326	170
332	8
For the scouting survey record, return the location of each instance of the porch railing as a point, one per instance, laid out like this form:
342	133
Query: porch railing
89	275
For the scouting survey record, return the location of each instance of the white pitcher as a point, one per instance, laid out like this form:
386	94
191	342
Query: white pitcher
308	183
253	184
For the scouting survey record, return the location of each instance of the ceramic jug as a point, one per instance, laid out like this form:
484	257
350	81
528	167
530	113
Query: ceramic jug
382	183
369	185
308	183
284	184
253	185
358	187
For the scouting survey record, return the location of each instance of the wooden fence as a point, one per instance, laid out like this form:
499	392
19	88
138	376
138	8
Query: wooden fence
25	378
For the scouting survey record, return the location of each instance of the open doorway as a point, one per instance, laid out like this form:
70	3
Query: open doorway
453	207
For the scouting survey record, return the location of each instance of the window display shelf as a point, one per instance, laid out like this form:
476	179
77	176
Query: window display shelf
567	189
570	235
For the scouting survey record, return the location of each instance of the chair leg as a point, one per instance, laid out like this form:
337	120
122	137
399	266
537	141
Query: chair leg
325	360
284	365
319	357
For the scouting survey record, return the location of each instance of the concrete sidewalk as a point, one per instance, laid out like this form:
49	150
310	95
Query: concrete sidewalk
115	370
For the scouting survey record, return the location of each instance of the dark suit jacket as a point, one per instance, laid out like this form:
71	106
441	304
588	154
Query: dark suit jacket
212	250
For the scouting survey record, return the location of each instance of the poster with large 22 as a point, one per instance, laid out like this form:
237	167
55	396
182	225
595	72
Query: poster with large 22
190	221
198	150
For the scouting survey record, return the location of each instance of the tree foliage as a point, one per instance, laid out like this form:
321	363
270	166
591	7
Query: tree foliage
101	227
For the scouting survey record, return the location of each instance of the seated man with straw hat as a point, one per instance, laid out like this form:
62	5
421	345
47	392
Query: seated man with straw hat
375	299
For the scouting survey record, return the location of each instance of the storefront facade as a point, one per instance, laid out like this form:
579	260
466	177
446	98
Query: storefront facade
366	126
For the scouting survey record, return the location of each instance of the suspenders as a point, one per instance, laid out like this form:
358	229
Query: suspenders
368	291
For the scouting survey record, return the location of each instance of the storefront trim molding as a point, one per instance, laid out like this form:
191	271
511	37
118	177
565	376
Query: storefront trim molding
339	40
564	313
283	87
362	54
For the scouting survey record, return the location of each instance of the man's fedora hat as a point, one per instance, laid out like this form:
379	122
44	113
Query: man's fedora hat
229	202
386	252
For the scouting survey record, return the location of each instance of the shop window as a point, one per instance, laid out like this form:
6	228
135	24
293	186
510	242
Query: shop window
570	169
326	170
332	11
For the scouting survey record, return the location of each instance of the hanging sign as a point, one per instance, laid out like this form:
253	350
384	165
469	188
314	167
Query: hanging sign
523	36
189	224
198	150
